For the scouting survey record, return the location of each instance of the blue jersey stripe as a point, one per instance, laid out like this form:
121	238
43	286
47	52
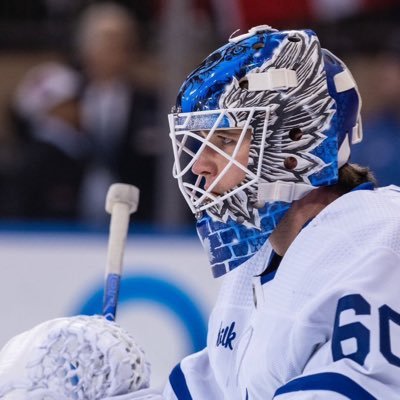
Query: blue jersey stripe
178	383
331	381
364	186
268	277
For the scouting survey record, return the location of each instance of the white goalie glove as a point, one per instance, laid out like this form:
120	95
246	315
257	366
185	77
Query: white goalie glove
82	358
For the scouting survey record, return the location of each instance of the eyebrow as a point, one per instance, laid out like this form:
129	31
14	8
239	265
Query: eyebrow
227	132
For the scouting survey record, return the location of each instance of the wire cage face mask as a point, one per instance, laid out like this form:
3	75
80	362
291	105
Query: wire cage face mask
310	119
195	133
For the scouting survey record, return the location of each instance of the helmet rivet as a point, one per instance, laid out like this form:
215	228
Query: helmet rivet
294	38
240	219
244	84
295	134
290	162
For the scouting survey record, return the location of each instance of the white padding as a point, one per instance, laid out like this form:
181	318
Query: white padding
357	133
344	152
344	81
282	191
272	79
252	31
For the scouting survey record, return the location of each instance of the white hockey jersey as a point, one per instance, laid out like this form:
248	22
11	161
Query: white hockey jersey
324	325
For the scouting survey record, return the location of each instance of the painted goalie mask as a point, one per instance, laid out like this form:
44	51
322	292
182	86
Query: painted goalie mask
290	106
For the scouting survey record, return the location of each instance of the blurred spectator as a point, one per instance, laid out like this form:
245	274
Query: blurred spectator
118	116
54	148
382	127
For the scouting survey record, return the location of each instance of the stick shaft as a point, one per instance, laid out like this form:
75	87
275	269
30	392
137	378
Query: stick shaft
116	246
117	238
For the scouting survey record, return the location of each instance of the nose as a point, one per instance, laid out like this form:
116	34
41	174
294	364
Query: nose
205	165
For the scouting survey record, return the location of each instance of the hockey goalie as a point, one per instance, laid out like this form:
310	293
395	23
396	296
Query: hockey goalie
307	247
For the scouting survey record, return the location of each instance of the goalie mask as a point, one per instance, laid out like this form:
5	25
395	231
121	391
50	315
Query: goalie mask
261	122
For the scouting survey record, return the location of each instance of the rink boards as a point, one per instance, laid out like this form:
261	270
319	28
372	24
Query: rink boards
166	293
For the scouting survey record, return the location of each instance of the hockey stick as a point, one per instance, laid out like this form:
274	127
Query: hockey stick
121	201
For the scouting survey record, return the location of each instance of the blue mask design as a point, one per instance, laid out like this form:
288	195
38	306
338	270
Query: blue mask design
302	108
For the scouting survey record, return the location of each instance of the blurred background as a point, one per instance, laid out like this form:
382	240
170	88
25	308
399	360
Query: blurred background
85	89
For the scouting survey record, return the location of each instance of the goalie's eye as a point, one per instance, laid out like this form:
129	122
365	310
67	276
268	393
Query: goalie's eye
226	140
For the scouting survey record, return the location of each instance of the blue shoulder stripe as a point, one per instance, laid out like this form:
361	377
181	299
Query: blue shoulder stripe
331	381
178	384
364	186
267	277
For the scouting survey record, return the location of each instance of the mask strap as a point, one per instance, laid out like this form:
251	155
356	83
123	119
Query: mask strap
282	191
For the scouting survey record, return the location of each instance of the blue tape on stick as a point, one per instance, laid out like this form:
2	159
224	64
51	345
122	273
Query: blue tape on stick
111	292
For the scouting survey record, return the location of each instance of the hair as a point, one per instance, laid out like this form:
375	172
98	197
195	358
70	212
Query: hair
352	175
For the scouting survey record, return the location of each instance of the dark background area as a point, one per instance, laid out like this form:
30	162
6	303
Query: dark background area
173	36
